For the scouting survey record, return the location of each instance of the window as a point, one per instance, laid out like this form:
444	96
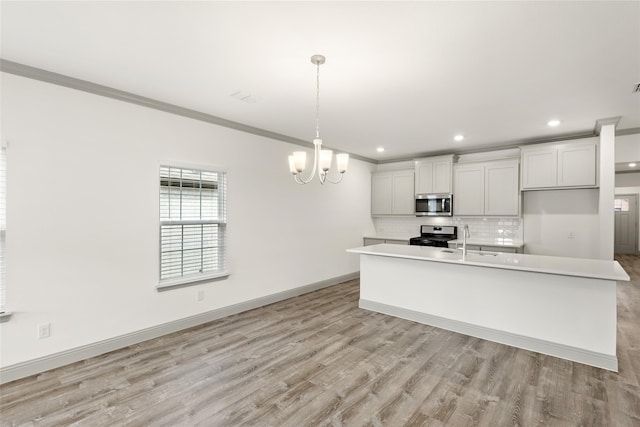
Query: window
3	222
192	225
621	205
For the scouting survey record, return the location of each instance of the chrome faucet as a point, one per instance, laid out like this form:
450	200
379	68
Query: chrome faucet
465	234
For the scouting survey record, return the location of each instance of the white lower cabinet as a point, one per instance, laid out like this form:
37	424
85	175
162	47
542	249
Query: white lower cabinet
397	242
498	249
487	189
486	248
368	241
373	241
392	193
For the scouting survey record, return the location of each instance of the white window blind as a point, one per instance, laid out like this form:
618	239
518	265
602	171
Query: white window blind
192	224
3	223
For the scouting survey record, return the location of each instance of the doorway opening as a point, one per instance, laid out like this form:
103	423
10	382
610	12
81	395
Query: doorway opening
626	223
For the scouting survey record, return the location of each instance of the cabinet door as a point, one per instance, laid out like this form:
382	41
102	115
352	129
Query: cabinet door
403	193
539	167
577	165
502	193
370	241
397	242
442	177
382	194
499	249
468	190
424	178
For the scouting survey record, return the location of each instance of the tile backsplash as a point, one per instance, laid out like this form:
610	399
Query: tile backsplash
492	228
480	228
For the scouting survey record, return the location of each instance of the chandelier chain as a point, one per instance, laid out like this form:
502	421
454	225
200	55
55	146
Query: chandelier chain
318	100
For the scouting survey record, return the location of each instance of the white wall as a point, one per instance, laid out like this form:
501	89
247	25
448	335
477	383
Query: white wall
550	216
628	179
627	148
82	200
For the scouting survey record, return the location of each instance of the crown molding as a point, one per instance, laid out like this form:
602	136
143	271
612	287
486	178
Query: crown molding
27	71
604	122
630	131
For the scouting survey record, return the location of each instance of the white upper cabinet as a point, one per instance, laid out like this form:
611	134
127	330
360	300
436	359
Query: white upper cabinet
502	193
559	165
487	188
468	184
392	193
433	175
424	177
577	165
381	194
539	167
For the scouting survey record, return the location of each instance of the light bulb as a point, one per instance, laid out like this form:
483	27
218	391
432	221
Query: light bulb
325	159
299	160
292	165
342	161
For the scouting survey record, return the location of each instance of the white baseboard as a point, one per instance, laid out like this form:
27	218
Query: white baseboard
45	363
599	360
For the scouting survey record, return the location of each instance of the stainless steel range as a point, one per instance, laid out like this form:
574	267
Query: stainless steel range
435	235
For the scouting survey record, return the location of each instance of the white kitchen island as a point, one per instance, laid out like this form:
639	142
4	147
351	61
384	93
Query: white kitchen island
564	307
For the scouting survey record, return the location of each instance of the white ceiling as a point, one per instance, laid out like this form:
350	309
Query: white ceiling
406	76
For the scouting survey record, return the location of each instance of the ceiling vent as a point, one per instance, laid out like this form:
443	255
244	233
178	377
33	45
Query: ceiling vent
636	88
244	97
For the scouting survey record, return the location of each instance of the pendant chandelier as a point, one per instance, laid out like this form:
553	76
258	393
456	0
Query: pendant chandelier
321	158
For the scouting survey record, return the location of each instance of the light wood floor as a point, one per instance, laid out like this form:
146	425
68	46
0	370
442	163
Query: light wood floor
319	360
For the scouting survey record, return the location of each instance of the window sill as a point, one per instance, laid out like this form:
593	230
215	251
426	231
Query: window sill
4	317
181	282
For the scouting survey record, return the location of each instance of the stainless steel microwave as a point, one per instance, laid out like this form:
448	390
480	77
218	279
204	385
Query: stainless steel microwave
434	204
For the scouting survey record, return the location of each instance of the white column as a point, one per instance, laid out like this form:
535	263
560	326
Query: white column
607	174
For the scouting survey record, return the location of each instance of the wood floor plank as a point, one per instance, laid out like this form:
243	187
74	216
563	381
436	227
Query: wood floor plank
319	360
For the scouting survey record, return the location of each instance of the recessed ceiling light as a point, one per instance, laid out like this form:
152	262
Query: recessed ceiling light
380	149
632	165
553	123
458	137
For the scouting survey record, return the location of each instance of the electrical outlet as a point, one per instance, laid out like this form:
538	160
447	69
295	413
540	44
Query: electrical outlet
200	295
44	330
572	234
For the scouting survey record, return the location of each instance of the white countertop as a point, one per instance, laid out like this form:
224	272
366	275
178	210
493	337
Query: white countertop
498	242
578	267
